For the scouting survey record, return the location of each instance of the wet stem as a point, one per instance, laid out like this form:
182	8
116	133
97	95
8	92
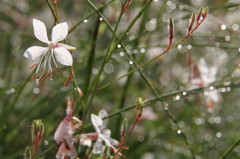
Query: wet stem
106	58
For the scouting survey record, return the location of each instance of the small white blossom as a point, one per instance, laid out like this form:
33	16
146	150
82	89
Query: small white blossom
56	52
207	75
104	135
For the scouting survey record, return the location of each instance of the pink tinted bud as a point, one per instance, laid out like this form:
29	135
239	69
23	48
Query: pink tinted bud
37	134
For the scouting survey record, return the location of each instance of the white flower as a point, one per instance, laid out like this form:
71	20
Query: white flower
208	74
56	52
104	135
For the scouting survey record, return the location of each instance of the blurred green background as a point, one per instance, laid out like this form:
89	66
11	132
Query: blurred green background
209	132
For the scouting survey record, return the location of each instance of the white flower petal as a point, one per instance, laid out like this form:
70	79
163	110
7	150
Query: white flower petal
40	31
106	139
97	122
62	131
103	113
34	52
86	142
59	32
62	152
106	132
98	147
63	56
72	151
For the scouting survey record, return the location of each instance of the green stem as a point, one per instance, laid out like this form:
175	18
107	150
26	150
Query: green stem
91	57
170	95
52	10
107	54
89	15
229	150
122	98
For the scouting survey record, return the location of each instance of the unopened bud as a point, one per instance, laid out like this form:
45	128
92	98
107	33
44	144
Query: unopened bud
204	12
170	30
125	5
37	134
191	22
199	15
80	92
28	153
124	129
139	106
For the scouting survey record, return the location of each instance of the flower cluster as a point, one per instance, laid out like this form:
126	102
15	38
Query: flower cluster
64	135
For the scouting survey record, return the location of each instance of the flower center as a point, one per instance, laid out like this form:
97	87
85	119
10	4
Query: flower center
52	45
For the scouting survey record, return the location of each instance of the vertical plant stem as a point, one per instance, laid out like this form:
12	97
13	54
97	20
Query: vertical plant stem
123	94
91	56
107	54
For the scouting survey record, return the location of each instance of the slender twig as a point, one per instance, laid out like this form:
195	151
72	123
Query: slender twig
148	102
91	56
107	54
230	149
89	15
52	10
122	98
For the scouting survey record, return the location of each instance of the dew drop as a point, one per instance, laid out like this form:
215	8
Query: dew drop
101	19
132	37
141	138
36	90
130	62
179	131
177	97
227	38
85	21
181	7
108	68
223	27
235	26
184	93
119	46
228	89
121	53
12	90
218	134
179	46
135	51
142	50
189	47
46	142
94	70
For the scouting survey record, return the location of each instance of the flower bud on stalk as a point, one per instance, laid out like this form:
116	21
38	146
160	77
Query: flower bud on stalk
139	107
37	134
124	129
125	6
170	30
28	153
191	22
